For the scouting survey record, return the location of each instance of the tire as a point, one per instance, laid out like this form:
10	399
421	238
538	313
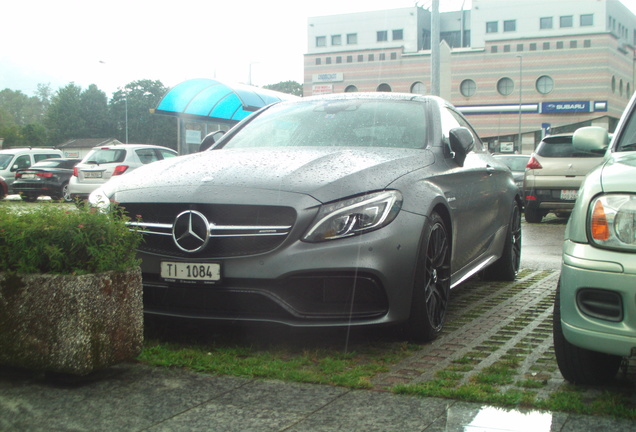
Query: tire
580	365
28	198
431	284
533	215
66	194
506	267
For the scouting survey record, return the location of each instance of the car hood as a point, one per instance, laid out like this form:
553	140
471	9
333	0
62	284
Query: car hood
618	173
324	173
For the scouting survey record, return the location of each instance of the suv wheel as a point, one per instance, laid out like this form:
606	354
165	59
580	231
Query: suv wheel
533	214
580	365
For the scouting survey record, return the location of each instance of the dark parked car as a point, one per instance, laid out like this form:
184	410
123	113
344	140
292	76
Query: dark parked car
517	164
340	210
49	177
4	188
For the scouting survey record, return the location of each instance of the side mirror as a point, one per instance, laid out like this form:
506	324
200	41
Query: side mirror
461	142
591	139
210	139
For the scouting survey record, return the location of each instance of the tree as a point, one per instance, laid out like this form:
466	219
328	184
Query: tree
64	118
95	113
137	99
21	108
289	87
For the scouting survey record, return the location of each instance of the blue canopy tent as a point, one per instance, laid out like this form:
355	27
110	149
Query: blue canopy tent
207	99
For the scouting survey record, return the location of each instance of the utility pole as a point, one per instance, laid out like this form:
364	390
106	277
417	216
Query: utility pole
435	61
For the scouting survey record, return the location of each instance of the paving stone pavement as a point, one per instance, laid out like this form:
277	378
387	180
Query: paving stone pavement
488	321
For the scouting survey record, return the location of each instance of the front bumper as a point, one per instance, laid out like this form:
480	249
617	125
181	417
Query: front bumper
360	280
604	321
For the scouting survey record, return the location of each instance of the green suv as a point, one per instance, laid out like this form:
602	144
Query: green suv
595	304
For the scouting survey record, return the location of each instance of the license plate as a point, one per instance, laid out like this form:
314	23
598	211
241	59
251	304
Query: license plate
92	174
28	176
204	272
569	194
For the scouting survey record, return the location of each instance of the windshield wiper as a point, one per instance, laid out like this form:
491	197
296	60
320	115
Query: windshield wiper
628	147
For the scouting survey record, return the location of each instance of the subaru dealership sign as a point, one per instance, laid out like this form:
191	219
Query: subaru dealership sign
565	107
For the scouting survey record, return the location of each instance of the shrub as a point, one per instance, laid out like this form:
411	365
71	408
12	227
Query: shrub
63	240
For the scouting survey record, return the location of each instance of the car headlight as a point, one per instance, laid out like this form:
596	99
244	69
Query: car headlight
354	216
612	221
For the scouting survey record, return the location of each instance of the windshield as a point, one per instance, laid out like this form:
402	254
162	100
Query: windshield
5	159
372	123
627	141
106	156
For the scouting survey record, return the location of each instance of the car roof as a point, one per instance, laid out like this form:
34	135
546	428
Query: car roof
131	146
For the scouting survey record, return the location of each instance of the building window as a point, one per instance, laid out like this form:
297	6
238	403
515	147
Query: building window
620	87
628	92
393	56
321	41
587	20
371	57
510	25
505	86
352	38
573	44
613	84
544	84
336	40
360	58
418	88
519	47
338	59
383	36
506	48
492	27
351	89
533	46
566	21
328	60
318	61
349	59
493	49
546	45
382	56
398	34
468	88
559	44
587	43
545	23
384	87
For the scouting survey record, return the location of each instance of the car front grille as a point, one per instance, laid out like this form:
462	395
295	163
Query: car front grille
235	230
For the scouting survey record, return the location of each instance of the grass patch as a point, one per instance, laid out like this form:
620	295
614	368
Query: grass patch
319	366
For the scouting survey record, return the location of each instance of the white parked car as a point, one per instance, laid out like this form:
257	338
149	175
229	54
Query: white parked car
103	163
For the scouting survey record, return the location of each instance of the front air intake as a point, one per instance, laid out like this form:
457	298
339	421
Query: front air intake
601	304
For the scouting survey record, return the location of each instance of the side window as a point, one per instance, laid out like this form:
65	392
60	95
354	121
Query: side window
166	154
479	146
147	155
39	157
21	162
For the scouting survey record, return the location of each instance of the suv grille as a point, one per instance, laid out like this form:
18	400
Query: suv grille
235	230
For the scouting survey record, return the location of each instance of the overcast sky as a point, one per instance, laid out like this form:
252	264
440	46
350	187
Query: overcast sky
111	43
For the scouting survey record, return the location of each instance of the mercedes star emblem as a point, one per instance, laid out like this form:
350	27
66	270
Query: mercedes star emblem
191	231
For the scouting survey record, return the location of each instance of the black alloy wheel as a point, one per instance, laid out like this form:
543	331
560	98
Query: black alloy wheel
431	286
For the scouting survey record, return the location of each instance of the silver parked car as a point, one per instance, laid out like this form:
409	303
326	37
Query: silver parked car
553	176
105	162
339	210
595	307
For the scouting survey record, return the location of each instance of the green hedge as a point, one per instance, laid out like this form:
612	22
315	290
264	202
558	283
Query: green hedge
62	239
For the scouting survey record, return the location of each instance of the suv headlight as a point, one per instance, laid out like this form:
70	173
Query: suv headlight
354	216
612	221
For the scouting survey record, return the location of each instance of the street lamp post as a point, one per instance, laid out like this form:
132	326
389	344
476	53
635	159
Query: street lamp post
126	105
520	77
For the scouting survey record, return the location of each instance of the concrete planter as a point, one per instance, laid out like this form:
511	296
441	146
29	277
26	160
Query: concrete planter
70	324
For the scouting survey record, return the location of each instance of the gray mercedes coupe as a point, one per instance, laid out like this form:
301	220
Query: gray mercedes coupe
339	210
